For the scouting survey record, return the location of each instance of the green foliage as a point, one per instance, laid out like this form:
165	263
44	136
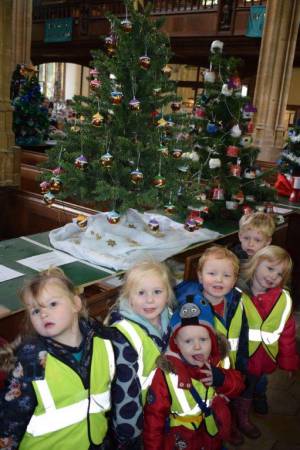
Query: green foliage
30	118
290	157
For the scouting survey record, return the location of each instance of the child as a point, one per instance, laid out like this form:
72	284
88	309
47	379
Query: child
58	393
142	319
217	273
186	403
272	335
255	232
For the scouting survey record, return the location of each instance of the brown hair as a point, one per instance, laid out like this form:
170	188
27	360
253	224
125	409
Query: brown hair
141	270
219	252
35	285
260	221
271	253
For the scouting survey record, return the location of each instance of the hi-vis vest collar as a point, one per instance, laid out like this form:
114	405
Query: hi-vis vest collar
267	331
54	418
146	349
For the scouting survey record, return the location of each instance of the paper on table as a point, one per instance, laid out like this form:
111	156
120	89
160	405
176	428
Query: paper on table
42	262
279	210
8	274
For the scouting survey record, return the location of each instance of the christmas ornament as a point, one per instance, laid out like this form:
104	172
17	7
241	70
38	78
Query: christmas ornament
163	150
195	214
126	25
75	129
176	153
214	163
94	72
199	112
161	123
232	151
156	91
250	198
248	111
226	90
167	70
235	131
250	173
81	119
239	197
57	171
55	184
113	217
28	70
81	220
216	46
110	44
231	205
97	119
235	83
45	186
212	128
250	127
136	176
81	162
134	104
170	208
190	225
193	156
175	106
106	160
209	76
235	169
153	225
246	141
218	193
49	198
95	84
144	62
116	97
159	181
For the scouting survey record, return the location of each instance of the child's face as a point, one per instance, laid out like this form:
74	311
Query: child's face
218	278
149	297
253	240
194	344
54	313
268	274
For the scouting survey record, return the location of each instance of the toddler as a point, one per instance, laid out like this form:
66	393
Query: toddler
187	402
58	392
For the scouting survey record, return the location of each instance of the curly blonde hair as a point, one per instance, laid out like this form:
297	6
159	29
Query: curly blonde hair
271	253
259	221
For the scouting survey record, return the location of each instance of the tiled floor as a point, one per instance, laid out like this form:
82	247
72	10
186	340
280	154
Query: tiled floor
281	427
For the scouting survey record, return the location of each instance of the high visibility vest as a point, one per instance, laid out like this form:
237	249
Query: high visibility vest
232	334
185	411
267	332
66	408
146	349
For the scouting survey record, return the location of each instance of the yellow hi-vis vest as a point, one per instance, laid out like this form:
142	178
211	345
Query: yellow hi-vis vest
185	411
232	334
146	349
267	332
65	406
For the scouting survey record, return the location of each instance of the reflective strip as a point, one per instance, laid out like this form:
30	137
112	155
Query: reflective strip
266	336
45	394
180	394
111	359
55	419
234	343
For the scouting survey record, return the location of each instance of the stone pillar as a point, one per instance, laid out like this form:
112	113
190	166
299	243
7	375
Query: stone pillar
274	75
22	27
9	153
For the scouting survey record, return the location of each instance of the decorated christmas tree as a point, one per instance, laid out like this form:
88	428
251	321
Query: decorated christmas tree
30	118
288	181
228	173
131	145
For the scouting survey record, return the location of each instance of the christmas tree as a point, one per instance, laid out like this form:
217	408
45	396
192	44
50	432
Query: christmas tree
132	145
288	181
228	171
30	118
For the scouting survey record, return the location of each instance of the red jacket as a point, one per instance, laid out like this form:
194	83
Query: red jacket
260	362
157	436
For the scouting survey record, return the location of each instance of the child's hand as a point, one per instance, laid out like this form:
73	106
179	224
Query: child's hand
208	380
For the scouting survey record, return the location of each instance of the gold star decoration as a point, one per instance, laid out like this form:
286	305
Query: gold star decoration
111	242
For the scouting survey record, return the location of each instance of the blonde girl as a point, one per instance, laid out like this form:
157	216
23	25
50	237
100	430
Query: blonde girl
141	321
272	332
58	392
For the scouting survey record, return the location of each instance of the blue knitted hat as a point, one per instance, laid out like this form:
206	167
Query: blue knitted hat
194	311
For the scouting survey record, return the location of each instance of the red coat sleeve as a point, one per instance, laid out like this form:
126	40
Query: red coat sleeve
233	383
288	359
156	411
